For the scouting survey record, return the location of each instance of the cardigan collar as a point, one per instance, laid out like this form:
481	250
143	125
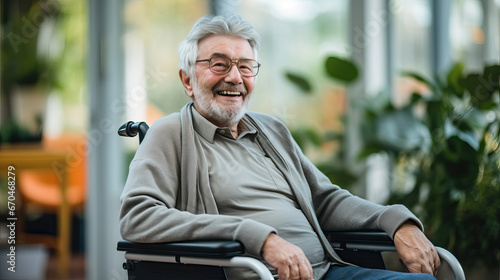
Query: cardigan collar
207	129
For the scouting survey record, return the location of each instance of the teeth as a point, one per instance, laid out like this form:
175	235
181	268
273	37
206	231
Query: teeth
230	93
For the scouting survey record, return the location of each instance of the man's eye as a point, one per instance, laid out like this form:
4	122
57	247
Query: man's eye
219	64
245	69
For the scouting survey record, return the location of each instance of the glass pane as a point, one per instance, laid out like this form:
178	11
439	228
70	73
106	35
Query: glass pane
412	34
466	33
297	37
153	30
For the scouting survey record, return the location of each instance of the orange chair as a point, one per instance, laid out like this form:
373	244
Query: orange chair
41	192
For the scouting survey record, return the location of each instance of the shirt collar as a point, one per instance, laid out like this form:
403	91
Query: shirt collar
208	130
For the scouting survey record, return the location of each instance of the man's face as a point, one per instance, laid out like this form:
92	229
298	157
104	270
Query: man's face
222	99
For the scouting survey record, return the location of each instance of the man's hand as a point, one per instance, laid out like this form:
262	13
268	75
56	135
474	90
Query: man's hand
415	250
288	259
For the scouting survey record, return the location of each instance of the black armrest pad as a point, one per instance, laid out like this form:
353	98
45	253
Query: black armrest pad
360	237
213	249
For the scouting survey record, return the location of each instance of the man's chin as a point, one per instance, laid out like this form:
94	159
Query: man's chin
229	118
223	112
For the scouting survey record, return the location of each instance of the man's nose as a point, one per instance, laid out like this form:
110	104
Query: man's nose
233	76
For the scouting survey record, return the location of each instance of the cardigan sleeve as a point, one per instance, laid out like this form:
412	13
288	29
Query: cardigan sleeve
338	210
148	211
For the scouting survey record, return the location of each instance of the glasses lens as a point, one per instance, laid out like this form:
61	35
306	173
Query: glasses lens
220	65
248	67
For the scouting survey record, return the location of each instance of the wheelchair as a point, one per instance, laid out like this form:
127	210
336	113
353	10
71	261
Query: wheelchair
206	259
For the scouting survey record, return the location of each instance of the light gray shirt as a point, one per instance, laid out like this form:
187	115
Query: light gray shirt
246	183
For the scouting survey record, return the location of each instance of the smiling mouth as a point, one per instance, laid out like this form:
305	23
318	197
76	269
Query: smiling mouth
229	93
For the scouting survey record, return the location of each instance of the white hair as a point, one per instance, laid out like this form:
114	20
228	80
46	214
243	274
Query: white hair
232	25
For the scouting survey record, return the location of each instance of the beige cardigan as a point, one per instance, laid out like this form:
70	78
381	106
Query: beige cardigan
167	196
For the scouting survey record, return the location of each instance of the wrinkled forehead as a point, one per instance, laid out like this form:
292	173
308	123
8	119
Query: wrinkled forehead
231	46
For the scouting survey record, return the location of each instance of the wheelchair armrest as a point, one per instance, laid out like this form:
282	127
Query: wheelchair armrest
361	240
218	253
209	249
379	241
362	248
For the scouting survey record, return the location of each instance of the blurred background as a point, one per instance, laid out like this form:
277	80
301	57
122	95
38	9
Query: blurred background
395	100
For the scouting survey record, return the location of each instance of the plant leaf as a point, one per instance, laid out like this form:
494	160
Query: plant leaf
419	78
480	89
454	78
492	75
401	131
341	69
466	136
300	81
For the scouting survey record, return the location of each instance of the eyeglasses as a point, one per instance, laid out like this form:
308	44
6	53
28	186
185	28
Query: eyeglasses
221	65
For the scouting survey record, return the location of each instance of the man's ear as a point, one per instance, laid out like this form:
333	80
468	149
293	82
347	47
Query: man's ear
186	82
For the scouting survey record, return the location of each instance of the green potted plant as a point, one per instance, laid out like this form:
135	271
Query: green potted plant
444	150
451	152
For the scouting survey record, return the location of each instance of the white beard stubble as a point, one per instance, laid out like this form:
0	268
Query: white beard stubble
224	116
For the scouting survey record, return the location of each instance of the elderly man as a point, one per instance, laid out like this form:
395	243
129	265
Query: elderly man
215	171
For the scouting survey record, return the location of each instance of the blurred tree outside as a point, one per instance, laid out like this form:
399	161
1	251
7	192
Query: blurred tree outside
43	52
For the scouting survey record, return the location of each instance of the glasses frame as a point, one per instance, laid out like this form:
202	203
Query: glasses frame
209	60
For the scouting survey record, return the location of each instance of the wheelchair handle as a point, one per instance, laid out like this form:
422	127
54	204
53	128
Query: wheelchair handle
130	129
